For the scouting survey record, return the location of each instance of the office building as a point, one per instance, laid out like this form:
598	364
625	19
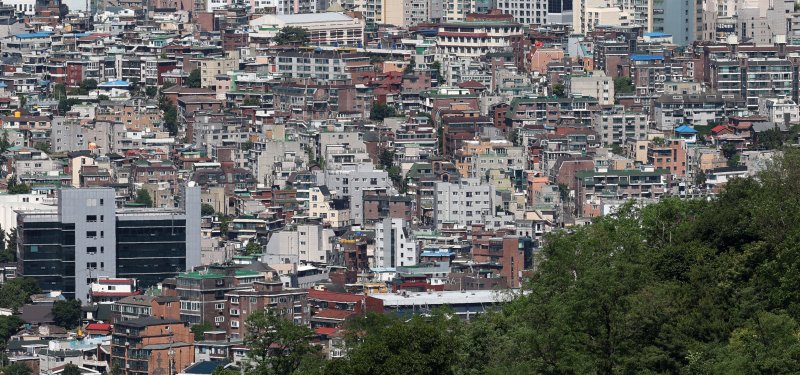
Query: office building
87	237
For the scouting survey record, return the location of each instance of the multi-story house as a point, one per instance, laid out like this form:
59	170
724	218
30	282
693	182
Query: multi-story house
287	303
394	244
600	191
151	345
616	125
462	202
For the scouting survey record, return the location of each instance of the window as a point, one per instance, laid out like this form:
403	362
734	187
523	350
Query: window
234	312
91	218
91	234
235	300
219	306
234	324
91	265
91	250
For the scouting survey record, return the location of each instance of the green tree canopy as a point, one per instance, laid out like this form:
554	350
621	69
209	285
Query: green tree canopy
277	345
381	111
17	188
143	198
206	209
623	85
71	369
199	329
67	313
292	36
194	79
17	368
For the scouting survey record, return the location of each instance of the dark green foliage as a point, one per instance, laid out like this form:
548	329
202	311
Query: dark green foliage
16	188
16	292
67	314
252	101
381	111
194	79
143	198
247	145
623	85
252	248
43	147
71	369
292	36
199	329
151	91
558	90
436	71
17	368
9	325
206	209
278	346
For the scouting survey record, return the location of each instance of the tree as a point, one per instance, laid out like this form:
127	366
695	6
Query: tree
43	147
199	329
623	85
194	79
9	326
252	102
102	98
700	179
23	100
206	209
67	313
253	248
16	292
386	158
385	344
558	90
247	145
223	224
60	91
5	144
71	369
87	85
436	71
11	241
617	149
409	67
143	198
17	368
171	120
17	188
292	36
381	111
277	345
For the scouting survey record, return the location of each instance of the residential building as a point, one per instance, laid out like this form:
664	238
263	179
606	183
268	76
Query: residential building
462	202
287	303
151	345
394	244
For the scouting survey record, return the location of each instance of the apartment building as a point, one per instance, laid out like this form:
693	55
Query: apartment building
462	202
394	244
600	190
618	125
287	303
477	38
151	345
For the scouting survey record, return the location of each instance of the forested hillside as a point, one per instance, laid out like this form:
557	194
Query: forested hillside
695	287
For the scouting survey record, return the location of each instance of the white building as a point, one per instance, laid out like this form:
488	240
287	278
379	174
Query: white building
323	28
304	243
462	202
598	86
526	12
779	110
456	10
352	181
394	244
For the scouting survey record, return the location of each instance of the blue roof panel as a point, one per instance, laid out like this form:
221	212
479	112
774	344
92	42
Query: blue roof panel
647	57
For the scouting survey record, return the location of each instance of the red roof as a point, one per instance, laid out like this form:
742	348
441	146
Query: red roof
718	128
471	84
333	314
115	281
98	327
325	331
333	296
114	294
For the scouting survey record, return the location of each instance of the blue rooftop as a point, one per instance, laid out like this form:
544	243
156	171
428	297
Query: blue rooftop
43	34
685	129
657	34
647	57
437	253
205	367
115	83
